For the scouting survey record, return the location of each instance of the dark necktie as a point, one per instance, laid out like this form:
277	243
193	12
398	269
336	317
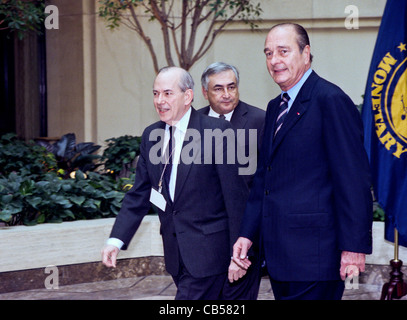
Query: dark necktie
168	160
283	110
222	116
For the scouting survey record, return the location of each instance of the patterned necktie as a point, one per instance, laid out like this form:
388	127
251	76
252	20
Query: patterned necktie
168	159
283	110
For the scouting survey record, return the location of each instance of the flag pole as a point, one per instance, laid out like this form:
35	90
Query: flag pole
396	245
395	288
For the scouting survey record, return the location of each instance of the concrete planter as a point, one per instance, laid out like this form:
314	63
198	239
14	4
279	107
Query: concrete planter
78	242
69	243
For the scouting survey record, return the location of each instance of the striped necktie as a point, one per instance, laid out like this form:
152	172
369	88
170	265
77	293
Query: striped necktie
283	110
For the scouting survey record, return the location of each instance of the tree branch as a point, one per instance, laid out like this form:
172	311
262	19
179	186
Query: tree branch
146	39
192	37
179	33
204	45
162	16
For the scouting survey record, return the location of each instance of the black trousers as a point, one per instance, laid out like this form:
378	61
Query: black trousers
218	287
246	288
307	290
191	288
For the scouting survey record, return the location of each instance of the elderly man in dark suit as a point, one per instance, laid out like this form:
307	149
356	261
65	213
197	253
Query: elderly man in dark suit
199	196
220	86
310	200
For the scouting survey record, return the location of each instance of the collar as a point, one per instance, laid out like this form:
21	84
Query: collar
293	92
182	124
214	114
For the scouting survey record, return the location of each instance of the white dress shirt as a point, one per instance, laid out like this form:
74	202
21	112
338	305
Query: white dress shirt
214	114
293	92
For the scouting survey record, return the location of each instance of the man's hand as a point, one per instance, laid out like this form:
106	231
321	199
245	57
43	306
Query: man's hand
109	255
351	263
240	250
235	272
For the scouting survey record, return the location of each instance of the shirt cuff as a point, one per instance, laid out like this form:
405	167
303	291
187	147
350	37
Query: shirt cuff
115	242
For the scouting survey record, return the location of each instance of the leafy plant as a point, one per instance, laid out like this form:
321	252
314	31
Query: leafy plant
53	199
21	16
35	189
26	158
71	156
120	155
378	212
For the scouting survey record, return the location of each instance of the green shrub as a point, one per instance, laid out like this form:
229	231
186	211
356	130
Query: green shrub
71	156
53	199
378	212
120	155
37	186
26	158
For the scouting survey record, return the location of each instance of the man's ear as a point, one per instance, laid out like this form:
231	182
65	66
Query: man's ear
205	93
307	54
189	96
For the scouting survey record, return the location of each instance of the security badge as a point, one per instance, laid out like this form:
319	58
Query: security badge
157	199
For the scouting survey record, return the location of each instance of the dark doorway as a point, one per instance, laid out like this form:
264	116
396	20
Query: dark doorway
23	87
7	83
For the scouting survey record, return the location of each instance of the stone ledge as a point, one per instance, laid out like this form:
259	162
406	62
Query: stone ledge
74	242
75	249
14	281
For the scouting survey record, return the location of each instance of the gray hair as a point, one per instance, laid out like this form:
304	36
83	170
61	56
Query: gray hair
186	81
216	68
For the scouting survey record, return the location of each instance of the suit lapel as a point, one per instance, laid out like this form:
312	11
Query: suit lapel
205	110
269	126
239	116
297	110
295	113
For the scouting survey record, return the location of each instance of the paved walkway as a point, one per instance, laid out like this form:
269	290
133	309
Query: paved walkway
154	288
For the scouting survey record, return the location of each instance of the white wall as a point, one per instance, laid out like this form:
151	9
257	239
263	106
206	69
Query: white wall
121	72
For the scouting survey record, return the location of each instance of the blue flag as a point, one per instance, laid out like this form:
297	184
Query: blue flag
384	115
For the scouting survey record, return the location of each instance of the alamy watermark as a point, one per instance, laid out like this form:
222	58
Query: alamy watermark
52	19
214	147
352	20
352	280
51	282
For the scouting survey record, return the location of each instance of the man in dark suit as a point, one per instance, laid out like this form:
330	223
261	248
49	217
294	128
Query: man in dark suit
310	200
199	196
220	86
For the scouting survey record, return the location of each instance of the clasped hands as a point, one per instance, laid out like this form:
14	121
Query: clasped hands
240	261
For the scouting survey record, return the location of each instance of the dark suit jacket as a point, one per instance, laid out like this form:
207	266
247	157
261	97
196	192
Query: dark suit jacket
311	196
246	117
202	223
